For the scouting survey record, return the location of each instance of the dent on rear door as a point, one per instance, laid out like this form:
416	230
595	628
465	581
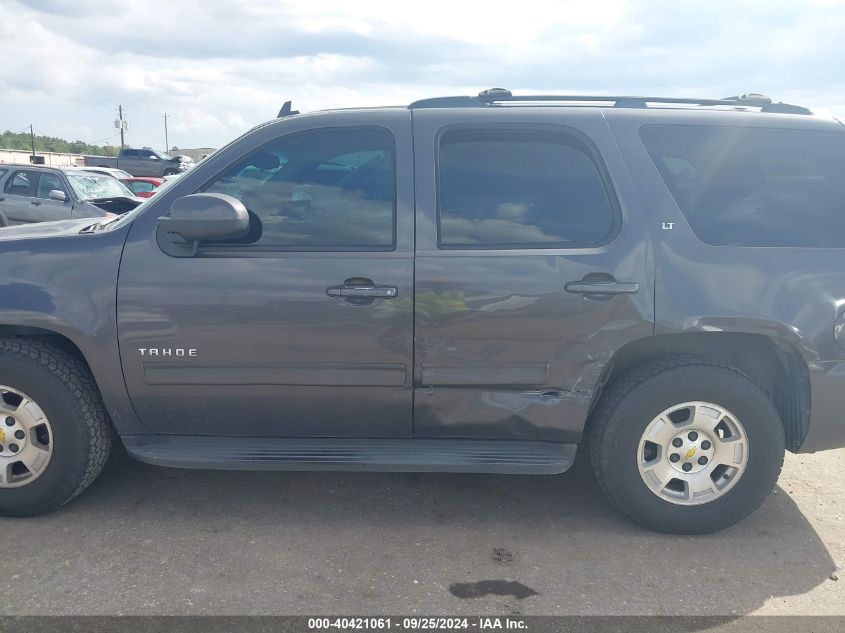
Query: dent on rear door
501	349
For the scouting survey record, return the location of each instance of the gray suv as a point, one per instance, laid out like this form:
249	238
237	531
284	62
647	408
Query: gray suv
30	193
468	284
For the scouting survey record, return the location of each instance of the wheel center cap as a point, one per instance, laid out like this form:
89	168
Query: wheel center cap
690	451
12	437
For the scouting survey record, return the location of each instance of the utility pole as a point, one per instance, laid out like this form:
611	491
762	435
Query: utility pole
166	144
120	123
32	140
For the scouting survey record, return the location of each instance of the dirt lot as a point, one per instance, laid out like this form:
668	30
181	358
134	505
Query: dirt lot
148	540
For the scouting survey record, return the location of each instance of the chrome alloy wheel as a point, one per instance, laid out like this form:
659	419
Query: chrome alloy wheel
692	453
26	439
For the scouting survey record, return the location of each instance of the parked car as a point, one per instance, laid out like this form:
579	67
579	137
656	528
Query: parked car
40	194
143	187
105	171
471	284
142	162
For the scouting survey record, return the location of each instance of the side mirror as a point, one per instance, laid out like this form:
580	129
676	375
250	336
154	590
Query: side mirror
206	217
57	194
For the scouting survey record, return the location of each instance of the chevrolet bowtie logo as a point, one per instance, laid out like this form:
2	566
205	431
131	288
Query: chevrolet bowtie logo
690	453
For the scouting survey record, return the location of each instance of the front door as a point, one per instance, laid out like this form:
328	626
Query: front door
304	327
531	273
47	208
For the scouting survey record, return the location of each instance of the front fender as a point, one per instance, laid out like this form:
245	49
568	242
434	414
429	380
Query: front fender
66	285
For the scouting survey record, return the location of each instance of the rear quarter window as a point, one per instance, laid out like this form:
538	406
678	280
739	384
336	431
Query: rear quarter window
754	186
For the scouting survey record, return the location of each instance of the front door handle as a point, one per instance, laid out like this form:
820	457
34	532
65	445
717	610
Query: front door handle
36	203
599	285
374	292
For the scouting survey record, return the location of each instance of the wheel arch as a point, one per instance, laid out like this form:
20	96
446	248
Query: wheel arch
776	365
50	336
120	413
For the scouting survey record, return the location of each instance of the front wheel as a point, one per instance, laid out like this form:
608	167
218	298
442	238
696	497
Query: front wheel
686	445
170	172
54	433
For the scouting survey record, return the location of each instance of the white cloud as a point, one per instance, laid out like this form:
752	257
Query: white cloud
219	68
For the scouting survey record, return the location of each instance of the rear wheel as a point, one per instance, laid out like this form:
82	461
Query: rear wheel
686	445
54	434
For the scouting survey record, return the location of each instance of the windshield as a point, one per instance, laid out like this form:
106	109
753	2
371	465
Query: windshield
95	186
165	156
134	213
129	216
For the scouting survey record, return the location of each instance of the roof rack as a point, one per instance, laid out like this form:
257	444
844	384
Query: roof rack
494	96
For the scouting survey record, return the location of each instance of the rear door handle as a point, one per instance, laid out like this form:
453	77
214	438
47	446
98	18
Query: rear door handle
36	203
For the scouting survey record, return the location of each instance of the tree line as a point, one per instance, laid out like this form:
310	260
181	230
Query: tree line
22	140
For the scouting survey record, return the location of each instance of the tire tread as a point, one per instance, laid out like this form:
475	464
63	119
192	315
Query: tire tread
77	377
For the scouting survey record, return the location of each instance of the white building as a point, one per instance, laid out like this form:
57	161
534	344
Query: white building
57	159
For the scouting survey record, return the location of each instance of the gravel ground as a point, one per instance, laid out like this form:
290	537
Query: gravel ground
147	540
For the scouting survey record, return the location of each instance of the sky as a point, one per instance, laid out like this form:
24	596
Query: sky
219	67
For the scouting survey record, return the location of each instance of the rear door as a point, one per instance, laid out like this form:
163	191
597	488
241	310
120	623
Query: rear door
130	161
20	205
532	268
302	329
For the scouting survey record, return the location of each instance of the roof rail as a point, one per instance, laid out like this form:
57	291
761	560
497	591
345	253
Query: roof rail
494	96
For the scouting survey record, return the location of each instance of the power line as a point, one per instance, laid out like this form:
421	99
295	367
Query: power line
108	138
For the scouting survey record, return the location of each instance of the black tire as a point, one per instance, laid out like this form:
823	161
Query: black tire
82	436
636	398
169	172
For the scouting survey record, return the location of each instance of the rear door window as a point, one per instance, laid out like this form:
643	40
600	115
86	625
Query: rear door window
754	186
512	189
22	183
